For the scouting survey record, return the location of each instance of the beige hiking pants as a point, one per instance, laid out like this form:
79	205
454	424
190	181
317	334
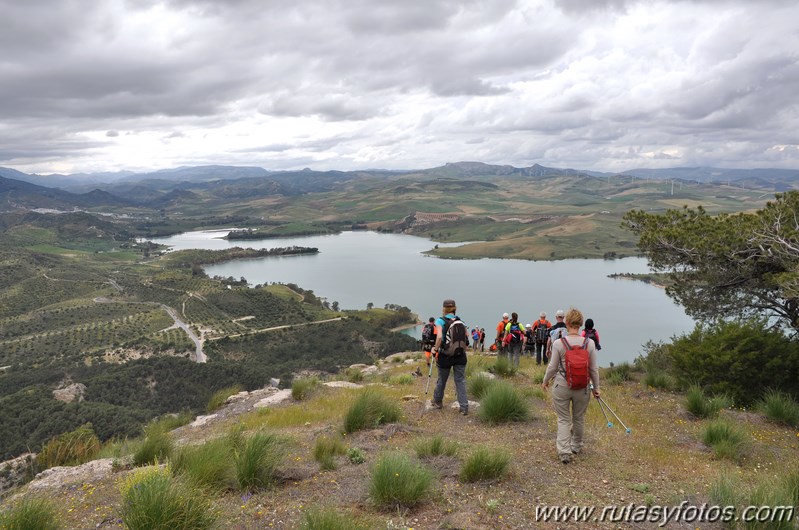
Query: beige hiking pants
570	406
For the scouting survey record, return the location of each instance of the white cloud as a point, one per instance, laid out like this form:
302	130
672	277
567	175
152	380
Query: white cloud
596	84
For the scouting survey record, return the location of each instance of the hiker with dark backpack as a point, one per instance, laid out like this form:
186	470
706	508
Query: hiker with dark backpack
452	342
429	338
541	333
557	330
590	333
529	343
514	339
572	366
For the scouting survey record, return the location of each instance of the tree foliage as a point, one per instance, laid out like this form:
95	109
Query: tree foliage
744	265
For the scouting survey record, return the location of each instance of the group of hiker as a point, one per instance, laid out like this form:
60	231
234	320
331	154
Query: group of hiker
568	351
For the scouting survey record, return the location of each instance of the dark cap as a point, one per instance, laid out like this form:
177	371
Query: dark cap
449	302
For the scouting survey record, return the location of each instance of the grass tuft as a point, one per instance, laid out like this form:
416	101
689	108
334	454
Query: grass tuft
219	397
370	409
700	406
355	455
206	465
502	403
503	367
725	438
326	449
657	379
616	375
779	407
31	513
318	518
485	464
435	446
479	384
257	460
152	499
157	446
397	482
402	380
302	388
70	449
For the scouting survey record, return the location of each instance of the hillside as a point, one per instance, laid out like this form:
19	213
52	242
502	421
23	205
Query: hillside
662	462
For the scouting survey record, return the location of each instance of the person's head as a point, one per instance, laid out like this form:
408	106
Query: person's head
505	316
573	318
431	320
514	317
542	316
482	329
559	315
589	323
529	325
449	306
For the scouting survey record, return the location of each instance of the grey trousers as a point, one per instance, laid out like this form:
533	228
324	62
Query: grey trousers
514	351
460	385
570	406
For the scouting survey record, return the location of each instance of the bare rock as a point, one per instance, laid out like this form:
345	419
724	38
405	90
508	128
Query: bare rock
472	405
200	421
342	384
61	476
369	370
277	397
70	393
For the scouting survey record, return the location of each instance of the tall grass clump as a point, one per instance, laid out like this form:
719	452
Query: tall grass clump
402	379
31	513
476	364
70	449
435	446
153	500
725	490
657	379
779	491
703	407
319	518
779	407
370	409
257	459
485	464
353	375
219	397
397	482
206	465
302	388
725	438
157	446
503	367
502	403
326	449
478	385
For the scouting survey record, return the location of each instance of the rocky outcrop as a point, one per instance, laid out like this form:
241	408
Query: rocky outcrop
70	393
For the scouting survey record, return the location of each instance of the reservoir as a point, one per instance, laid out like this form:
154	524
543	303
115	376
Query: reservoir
358	268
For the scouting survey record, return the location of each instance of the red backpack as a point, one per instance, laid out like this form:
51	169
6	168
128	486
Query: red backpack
576	361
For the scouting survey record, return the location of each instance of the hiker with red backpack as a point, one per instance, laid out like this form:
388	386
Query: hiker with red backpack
572	366
514	339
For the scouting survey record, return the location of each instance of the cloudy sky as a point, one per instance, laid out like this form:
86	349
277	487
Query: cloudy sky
104	85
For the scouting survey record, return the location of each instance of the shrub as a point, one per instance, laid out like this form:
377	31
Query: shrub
353	375
355	455
700	406
219	397
616	375
153	500
657	379
317	518
207	465
71	448
370	409
435	446
503	403
397	482
725	438
656	357
485	464
30	513
257	459
503	367
780	408
741	360
326	449
302	388
479	384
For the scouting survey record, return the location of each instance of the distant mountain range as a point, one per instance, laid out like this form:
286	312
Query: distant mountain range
167	187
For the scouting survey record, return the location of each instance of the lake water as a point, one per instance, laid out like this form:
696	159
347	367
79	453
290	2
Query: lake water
356	268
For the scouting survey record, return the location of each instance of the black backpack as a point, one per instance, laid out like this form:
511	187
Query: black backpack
455	338
428	332
541	333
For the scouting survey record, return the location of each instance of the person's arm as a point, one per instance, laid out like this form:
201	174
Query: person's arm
439	335
524	334
552	367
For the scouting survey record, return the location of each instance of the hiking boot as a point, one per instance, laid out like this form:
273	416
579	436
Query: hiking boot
565	458
436	405
464	412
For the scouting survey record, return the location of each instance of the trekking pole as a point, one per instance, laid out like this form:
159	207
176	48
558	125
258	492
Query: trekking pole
429	374
599	402
615	415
